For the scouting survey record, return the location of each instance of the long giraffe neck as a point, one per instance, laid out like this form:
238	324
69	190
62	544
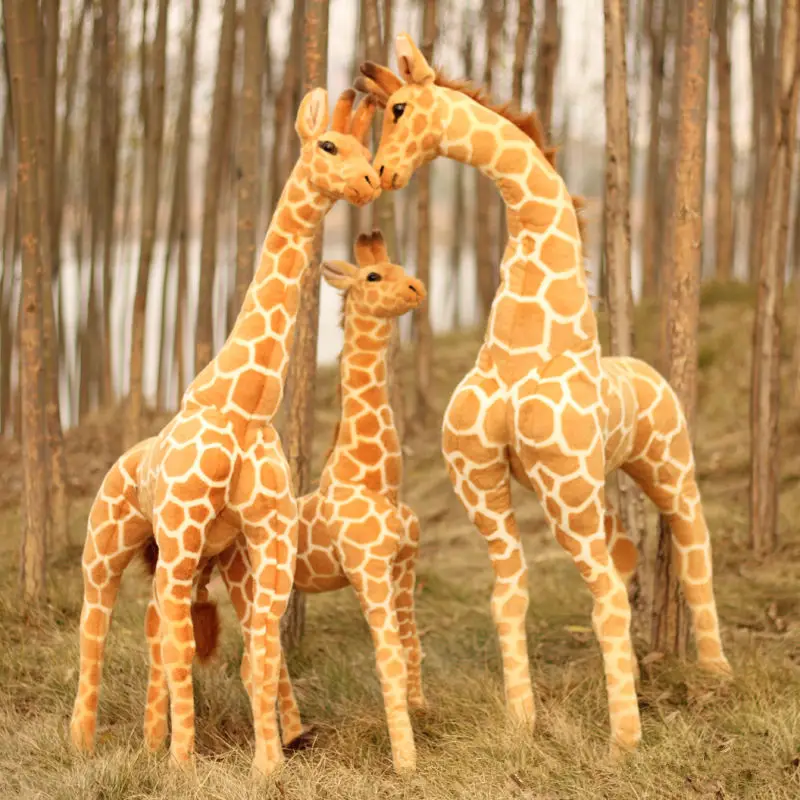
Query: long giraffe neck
542	306
367	448
246	378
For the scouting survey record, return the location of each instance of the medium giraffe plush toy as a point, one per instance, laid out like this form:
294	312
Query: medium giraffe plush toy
353	529
540	404
217	469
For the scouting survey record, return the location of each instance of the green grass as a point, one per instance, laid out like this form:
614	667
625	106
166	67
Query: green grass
702	739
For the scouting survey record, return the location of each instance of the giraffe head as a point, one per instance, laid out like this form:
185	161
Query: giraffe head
373	285
336	158
413	124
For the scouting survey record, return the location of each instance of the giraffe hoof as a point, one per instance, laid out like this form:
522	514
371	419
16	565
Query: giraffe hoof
418	704
405	765
82	740
262	768
183	765
303	741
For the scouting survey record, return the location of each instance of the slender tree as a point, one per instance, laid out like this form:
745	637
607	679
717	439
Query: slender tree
670	621
154	132
656	23
549	41
486	199
249	147
724	215
423	404
303	367
521	43
765	398
22	38
178	220
204	343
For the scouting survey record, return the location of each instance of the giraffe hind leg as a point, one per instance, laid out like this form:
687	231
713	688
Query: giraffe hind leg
116	532
666	473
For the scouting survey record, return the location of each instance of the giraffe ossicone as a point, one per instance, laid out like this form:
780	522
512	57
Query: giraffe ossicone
353	529
217	469
541	404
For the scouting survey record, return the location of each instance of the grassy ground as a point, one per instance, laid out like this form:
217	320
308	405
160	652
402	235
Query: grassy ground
701	739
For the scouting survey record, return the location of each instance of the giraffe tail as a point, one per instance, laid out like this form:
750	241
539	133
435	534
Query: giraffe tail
205	614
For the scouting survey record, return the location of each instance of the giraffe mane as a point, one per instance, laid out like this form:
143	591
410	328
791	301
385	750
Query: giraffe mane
527	121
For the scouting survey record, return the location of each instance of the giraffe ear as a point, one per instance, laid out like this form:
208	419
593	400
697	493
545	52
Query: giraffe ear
371	89
413	66
365	256
339	274
378	244
312	116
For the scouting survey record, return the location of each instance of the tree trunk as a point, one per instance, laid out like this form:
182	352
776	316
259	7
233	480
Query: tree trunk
617	239
724	216
204	343
765	399
9	246
546	63
670	615
303	366
521	42
423	403
178	220
111	62
668	181
486	198
383	209
154	130
657	31
249	148
21	31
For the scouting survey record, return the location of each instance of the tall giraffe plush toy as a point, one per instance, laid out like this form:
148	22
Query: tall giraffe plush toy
353	529
540	404
217	469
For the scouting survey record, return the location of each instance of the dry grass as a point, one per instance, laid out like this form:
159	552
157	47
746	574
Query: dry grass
701	739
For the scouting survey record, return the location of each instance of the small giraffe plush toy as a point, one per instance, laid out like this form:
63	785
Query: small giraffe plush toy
353	529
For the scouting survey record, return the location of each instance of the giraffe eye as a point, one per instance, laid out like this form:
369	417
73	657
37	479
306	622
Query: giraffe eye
373	277
397	110
328	147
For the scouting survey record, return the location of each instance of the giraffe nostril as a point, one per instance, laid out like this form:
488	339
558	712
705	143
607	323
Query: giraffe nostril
380	171
366	178
413	288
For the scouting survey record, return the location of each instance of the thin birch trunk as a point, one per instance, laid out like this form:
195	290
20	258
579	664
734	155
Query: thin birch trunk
724	213
549	42
669	632
204	342
303	367
766	365
21	30
153	145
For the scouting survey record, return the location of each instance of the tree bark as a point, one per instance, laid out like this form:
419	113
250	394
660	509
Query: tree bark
154	132
668	180
546	63
521	43
303	366
204	343
423	404
670	616
383	209
486	198
657	31
178	222
765	398
21	30
724	215
249	147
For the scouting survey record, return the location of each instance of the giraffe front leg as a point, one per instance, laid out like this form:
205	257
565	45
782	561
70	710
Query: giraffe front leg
404	579
157	704
367	531
481	479
174	596
114	533
559	442
624	556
